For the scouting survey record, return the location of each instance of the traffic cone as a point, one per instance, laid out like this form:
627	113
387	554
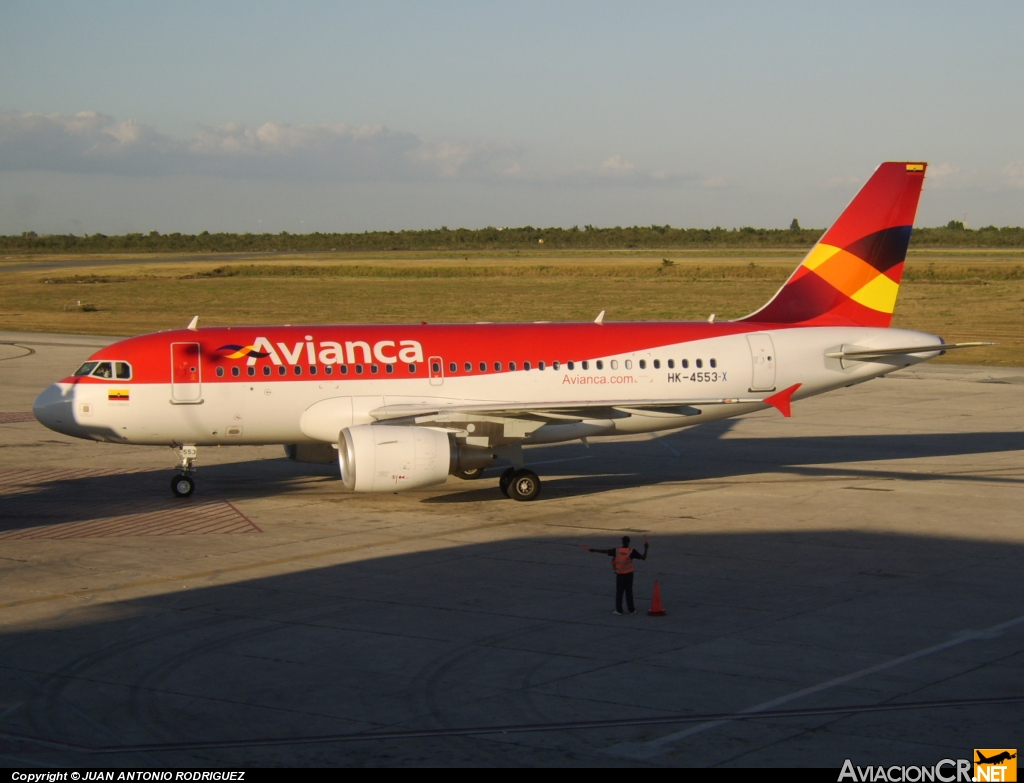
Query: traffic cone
656	609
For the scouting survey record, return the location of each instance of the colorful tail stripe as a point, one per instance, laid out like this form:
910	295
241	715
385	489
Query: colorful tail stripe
851	277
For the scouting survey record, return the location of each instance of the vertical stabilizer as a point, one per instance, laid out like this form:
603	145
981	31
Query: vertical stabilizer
851	277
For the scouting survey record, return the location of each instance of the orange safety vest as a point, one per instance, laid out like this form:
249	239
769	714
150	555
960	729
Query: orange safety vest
622	561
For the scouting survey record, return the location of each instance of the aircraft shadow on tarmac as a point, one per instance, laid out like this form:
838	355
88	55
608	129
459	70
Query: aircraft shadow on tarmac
702	454
514	632
699	454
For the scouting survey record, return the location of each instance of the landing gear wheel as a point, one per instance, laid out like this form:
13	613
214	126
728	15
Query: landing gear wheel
505	480
182	485
524	485
470	475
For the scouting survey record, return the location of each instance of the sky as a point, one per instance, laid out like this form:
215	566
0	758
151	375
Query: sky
118	117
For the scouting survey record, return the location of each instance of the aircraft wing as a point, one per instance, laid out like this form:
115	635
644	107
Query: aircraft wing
566	411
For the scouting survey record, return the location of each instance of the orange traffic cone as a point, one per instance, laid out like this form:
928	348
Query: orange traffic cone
656	609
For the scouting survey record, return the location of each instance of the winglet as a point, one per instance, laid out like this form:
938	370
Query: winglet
193	325
600	318
781	400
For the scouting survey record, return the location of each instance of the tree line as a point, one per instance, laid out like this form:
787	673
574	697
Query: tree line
953	235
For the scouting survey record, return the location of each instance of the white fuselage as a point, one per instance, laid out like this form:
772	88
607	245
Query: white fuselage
255	410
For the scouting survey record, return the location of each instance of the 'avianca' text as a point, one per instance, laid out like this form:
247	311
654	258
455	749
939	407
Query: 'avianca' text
330	352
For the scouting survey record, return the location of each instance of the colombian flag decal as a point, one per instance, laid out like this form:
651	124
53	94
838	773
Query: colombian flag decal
117	395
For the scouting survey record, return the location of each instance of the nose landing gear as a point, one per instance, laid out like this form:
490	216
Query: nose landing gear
183	485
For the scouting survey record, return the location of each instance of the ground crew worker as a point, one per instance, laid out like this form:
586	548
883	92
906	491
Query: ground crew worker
622	561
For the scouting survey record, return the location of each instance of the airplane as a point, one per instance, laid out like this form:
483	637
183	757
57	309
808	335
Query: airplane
996	759
405	406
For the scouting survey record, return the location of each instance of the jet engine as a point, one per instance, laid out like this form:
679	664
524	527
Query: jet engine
386	458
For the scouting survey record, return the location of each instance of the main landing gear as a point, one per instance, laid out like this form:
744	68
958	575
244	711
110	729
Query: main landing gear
519	484
183	485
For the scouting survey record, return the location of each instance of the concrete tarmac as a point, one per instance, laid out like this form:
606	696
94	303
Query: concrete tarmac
867	552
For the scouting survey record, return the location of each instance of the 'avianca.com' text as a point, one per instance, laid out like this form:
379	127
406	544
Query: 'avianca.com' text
584	379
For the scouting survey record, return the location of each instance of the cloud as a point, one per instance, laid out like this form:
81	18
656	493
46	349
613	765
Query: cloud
87	141
1013	174
615	170
94	142
943	171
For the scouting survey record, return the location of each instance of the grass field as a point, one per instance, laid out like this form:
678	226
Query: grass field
961	295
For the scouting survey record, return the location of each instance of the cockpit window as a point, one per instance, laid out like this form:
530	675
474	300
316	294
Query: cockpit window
103	370
123	371
85	369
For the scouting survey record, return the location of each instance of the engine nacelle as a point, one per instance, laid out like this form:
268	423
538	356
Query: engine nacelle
386	458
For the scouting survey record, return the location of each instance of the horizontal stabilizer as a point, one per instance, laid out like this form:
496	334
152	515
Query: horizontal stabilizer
877	353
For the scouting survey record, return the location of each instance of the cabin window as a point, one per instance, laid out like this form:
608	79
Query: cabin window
103	370
453	367
412	368
614	364
714	363
235	371
671	363
483	366
657	364
344	369
250	371
282	370
435	367
643	364
600	364
686	363
526	365
629	364
556	365
571	365
390	368
266	369
373	368
85	369
220	372
468	367
585	365
700	363
512	366
312	369
540	365
359	369
123	370
497	366
298	370
328	370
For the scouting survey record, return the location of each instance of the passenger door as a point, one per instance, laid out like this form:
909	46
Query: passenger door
762	356
186	373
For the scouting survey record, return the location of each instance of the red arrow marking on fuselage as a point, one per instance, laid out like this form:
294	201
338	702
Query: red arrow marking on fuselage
781	400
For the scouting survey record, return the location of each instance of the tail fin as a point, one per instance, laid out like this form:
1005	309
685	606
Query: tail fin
851	277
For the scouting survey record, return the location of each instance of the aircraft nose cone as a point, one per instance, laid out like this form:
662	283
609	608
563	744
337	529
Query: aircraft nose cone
54	408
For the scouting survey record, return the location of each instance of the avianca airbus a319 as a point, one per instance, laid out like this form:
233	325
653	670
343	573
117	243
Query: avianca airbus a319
405	406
